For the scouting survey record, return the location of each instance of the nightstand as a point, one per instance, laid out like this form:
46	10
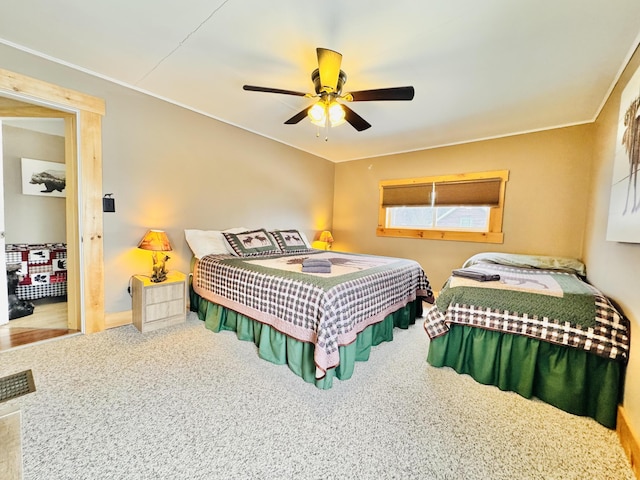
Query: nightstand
157	305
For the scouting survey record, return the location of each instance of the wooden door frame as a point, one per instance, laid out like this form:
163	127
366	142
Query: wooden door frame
83	158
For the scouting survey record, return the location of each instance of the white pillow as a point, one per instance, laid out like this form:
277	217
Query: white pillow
207	242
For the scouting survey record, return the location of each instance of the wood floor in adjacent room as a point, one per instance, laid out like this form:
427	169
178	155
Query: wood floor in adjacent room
49	320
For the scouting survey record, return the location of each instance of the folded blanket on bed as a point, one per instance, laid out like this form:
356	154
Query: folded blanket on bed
316	265
477	275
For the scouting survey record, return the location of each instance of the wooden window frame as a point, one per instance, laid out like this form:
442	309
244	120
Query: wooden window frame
494	233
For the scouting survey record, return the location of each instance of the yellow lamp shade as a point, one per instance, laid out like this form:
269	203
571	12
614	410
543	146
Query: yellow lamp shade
326	237
155	240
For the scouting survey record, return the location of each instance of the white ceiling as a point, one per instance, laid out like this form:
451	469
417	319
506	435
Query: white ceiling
481	69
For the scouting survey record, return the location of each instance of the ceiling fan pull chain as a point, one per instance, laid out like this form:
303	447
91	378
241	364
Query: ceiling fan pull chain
327	126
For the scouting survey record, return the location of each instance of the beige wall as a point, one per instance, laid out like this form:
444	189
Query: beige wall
615	267
30	218
545	200
173	169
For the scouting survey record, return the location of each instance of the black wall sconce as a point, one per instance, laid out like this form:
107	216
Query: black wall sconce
108	203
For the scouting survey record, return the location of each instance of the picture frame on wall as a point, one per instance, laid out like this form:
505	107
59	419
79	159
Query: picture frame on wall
41	177
624	206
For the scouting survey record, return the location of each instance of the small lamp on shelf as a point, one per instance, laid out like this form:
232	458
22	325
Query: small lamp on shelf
157	241
324	241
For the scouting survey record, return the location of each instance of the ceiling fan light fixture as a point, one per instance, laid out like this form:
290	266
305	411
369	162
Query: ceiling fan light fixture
336	114
321	111
317	114
328	81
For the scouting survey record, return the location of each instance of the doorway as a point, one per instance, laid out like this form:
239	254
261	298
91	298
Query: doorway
22	96
34	249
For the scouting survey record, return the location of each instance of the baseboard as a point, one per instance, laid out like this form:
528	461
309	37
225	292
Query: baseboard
118	319
628	440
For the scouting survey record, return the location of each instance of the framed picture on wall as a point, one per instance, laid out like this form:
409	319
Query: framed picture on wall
40	177
624	206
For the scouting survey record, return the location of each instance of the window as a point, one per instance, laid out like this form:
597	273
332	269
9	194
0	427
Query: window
465	207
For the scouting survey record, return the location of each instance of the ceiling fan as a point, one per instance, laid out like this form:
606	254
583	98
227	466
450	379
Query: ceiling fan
328	81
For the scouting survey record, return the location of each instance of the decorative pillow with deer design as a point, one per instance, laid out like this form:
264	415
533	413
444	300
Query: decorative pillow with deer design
248	244
291	241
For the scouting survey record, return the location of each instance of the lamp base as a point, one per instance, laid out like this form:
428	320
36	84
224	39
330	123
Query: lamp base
159	268
159	278
320	245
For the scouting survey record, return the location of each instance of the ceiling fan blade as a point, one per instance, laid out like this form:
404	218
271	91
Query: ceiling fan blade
297	117
394	93
329	66
253	88
354	119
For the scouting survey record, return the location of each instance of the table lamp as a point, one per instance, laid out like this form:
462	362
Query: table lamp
157	241
324	241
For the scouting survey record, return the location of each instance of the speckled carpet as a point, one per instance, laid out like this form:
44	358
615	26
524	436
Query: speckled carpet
186	403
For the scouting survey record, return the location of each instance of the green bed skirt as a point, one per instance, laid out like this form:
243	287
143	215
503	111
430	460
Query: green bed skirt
278	348
573	380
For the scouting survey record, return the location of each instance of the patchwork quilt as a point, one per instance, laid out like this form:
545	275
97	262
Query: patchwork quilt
326	309
42	269
549	305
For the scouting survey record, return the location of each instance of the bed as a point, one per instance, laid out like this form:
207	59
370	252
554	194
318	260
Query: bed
41	268
539	330
319	323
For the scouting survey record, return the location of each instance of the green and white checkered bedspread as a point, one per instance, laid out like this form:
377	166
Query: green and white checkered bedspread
328	310
549	305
